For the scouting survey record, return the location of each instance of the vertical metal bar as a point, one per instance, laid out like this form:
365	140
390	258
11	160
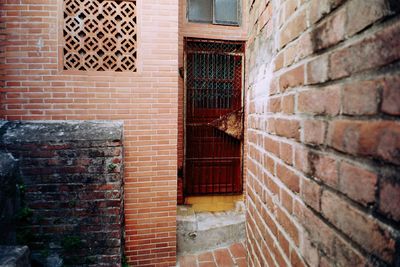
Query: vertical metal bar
215	81
230	81
204	85
204	151
224	77
199	143
229	176
208	79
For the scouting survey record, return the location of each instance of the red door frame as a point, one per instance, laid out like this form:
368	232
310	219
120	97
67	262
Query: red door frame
213	165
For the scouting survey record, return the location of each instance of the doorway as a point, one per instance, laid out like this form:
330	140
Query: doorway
213	98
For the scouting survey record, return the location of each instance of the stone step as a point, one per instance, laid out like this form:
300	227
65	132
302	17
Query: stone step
201	231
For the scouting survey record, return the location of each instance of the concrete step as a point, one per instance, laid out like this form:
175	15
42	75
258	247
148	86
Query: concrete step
203	231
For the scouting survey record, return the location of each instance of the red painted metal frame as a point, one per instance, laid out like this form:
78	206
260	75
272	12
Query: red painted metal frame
213	159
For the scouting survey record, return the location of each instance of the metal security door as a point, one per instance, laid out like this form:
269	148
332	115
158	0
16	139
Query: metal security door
213	92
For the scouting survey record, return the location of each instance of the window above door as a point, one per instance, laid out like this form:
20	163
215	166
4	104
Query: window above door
222	12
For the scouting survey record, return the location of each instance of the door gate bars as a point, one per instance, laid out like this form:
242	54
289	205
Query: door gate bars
213	162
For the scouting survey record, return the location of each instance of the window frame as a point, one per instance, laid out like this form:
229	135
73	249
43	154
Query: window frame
214	20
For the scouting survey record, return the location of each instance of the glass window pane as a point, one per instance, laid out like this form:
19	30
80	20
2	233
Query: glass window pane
226	12
200	10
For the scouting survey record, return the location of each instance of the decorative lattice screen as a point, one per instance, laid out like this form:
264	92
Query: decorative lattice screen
100	35
212	73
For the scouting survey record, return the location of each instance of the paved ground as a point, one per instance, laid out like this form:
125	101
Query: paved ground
232	256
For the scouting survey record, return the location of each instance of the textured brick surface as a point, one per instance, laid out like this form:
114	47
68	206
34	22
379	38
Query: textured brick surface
72	179
232	256
34	87
323	166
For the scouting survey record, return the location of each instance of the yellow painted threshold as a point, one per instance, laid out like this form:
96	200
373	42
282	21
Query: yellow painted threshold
213	203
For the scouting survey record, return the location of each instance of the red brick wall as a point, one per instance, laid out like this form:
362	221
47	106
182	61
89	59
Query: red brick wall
33	87
323	133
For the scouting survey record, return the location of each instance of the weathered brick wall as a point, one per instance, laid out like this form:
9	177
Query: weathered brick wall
9	197
72	189
323	133
34	87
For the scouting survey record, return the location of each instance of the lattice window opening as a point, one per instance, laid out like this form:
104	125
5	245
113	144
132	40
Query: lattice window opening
213	73
213	80
100	35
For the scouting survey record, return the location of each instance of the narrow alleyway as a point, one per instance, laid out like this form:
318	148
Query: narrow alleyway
200	133
232	256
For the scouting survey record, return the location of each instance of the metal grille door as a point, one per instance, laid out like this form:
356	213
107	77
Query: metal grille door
213	91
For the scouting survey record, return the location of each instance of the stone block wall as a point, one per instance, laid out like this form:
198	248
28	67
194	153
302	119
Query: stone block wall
323	105
71	189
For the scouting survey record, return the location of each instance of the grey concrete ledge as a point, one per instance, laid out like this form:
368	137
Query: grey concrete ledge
14	256
12	132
